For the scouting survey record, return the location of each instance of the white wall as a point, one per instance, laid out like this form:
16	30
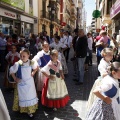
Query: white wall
35	8
27	6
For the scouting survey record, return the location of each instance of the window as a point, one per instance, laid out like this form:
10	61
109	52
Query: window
109	5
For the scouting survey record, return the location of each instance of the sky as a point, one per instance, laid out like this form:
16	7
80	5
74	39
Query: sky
89	7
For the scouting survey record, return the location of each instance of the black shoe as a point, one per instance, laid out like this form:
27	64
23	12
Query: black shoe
79	83
75	80
90	65
86	70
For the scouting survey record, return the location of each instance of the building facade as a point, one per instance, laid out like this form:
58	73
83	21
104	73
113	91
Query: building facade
47	21
104	7
115	16
19	17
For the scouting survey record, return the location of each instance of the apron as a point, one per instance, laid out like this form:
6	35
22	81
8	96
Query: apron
26	88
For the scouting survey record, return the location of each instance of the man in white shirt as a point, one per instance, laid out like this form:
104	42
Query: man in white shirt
68	43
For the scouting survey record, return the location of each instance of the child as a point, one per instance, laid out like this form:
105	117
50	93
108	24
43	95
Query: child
42	58
54	94
60	47
9	43
12	57
107	54
28	101
107	107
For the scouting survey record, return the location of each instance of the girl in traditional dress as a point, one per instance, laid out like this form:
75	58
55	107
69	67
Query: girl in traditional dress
60	47
107	107
107	54
54	93
42	58
25	97
12	57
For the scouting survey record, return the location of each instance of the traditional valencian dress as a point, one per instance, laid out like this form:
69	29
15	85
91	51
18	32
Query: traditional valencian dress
4	115
54	93
42	58
101	110
59	48
12	58
102	68
25	97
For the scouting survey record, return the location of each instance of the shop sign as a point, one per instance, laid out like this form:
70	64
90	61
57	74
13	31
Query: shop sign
27	19
7	13
115	9
16	3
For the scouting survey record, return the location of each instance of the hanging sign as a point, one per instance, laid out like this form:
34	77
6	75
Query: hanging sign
96	13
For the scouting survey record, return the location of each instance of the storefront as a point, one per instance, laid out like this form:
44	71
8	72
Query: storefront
115	16
8	21
27	25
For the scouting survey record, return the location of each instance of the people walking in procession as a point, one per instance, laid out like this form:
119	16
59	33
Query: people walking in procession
25	97
54	93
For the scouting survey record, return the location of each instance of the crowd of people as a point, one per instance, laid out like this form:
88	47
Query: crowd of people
35	68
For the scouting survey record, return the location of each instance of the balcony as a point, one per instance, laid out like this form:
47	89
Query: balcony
58	1
67	11
73	13
44	14
106	19
57	21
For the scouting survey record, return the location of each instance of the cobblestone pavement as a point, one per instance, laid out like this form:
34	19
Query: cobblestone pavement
75	109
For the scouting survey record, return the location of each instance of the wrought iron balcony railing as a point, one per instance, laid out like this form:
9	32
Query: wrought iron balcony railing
44	14
67	11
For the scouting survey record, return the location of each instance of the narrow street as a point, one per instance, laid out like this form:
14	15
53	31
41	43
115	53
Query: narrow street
76	108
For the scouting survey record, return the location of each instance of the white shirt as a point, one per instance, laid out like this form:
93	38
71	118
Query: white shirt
62	39
68	40
57	46
102	67
90	42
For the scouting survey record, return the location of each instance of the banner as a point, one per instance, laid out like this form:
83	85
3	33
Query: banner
16	3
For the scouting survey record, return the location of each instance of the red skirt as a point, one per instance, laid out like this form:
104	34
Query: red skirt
52	103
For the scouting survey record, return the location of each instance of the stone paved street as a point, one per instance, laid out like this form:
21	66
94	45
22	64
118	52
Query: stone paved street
76	108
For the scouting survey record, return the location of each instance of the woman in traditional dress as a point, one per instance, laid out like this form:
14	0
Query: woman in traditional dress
107	54
54	93
60	47
107	107
12	57
25	97
42	57
4	115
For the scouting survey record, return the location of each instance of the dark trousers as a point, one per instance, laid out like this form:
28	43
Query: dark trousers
66	54
98	61
90	57
2	60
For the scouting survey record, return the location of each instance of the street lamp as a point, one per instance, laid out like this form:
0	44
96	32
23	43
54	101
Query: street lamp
51	10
